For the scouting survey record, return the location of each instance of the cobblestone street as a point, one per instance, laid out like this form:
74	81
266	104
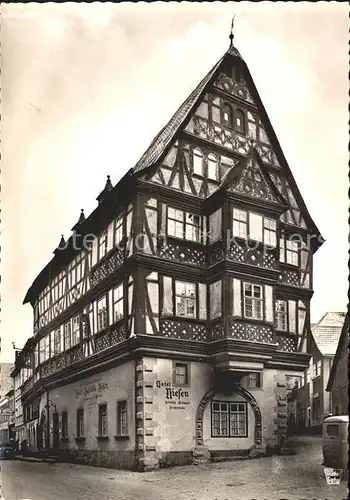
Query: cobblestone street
275	478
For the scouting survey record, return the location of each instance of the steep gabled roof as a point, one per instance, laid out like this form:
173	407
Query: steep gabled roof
342	344
327	332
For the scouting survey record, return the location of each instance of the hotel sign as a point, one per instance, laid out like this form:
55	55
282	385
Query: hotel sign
91	391
175	398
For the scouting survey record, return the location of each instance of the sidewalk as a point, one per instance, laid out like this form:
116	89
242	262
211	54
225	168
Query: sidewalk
35	459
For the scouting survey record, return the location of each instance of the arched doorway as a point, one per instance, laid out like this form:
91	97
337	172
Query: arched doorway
235	389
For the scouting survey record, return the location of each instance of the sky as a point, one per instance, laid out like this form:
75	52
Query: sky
86	87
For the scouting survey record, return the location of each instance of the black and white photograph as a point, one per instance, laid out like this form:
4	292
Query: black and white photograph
174	251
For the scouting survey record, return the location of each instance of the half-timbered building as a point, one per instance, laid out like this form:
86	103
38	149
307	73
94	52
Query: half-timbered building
166	325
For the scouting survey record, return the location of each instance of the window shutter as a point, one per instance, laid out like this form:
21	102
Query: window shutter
216	299
301	317
94	252
110	236
237	299
202	301
255	227
269	303
215	226
291	314
167	295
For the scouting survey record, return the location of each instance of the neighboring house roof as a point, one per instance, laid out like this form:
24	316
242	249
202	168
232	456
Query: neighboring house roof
342	345
327	331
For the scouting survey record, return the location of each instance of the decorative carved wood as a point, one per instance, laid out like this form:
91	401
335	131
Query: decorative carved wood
183	330
239	252
254	333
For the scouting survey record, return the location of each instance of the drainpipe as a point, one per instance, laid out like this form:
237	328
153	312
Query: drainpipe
47	421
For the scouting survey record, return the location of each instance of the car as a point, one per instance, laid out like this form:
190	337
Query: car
7	452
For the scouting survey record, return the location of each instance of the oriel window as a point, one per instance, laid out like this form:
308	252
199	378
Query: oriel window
118	303
184	225
253	301
102	316
281	315
240	223
185	299
102	245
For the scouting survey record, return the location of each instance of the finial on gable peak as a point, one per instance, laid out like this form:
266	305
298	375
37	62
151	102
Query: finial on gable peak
231	32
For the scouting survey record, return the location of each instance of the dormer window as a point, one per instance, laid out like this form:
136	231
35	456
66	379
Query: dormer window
197	162
212	167
240	121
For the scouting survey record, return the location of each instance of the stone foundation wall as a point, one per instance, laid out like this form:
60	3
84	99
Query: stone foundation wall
109	459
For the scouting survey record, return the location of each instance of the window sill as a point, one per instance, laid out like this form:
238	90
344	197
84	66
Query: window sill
81	438
122	437
102	438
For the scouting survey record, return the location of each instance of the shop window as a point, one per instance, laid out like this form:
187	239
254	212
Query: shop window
80	422
229	419
102	420
253	301
282	315
122	418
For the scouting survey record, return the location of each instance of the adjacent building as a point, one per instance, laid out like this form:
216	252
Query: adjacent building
7	418
313	402
167	326
338	383
5	378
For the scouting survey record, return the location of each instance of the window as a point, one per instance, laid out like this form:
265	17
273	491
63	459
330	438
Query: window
253	301
80	422
67	336
227	115
102	245
229	419
181	374
185	299
254	380
122	418
57	342
212	167
102	420
64	423
183	225
308	375
76	331
240	223
118	303
240	121
281	315
197	162
102	316
314	370
269	232
289	251
318	369
118	230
